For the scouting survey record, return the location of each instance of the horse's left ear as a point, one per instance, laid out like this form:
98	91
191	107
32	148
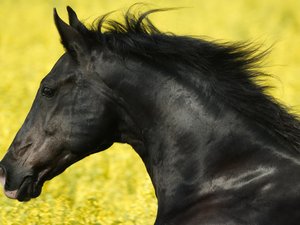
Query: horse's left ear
71	39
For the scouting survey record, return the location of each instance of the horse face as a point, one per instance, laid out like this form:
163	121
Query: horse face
71	117
69	120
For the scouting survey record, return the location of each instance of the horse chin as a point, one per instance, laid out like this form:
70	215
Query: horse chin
28	189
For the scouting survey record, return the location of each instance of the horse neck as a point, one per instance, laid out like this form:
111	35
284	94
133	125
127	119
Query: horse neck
178	134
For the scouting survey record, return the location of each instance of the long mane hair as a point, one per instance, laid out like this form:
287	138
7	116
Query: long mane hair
229	70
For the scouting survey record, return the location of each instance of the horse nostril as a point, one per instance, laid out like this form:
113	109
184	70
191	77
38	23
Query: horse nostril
20	151
26	145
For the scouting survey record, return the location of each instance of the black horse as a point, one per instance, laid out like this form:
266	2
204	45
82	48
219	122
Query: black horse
217	148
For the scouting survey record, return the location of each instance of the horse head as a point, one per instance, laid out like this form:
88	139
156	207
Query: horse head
70	118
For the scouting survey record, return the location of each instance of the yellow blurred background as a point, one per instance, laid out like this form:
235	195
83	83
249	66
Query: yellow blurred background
113	187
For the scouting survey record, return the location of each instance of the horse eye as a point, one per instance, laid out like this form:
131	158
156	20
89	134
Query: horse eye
48	92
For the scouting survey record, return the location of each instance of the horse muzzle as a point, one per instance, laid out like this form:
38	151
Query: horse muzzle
22	188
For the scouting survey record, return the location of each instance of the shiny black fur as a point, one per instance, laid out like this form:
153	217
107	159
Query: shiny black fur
218	149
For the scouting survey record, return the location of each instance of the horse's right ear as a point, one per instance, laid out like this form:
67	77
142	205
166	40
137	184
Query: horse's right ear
74	21
71	39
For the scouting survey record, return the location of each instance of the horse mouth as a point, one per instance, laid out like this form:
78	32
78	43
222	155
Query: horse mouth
28	189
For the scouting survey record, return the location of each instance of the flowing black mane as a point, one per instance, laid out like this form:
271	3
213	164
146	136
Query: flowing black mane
229	69
217	147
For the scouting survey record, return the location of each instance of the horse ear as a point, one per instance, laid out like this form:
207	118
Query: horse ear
71	39
74	21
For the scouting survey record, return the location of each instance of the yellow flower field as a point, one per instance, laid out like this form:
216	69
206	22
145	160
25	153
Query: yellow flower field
113	187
